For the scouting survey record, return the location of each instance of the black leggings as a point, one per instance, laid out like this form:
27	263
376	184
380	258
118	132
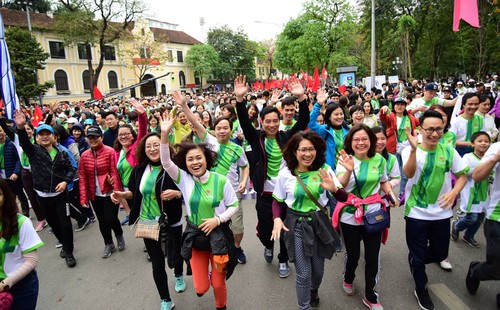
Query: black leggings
56	210
107	214
352	235
158	263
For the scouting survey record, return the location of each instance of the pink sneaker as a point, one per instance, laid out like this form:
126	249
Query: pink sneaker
41	225
348	289
371	306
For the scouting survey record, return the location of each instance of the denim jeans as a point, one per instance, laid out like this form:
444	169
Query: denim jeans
470	223
404	179
25	292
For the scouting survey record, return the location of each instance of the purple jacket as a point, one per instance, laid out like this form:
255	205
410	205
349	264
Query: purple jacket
496	108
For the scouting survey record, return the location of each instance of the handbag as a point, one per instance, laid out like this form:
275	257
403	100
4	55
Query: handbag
376	221
148	229
311	197
6	300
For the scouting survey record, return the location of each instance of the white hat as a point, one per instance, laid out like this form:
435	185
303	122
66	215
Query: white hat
62	115
72	120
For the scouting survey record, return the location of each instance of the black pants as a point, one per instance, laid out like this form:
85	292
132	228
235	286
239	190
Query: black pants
352	235
158	263
107	215
56	210
265	225
174	246
27	177
428	242
17	188
489	269
79	213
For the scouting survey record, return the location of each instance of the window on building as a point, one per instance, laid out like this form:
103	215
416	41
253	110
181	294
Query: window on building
82	51
86	80
170	56
112	80
180	58
182	79
57	50
109	52
61	79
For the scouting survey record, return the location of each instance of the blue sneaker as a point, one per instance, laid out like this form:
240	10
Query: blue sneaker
268	255
284	270
166	305
242	258
125	221
180	285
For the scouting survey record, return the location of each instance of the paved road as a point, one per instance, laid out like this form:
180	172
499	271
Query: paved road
124	281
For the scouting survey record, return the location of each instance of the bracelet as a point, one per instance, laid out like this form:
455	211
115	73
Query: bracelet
218	220
180	194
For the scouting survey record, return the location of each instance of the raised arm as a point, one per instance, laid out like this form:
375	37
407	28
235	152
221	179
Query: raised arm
142	118
166	161
24	141
411	165
450	103
9	131
200	130
240	89
298	91
483	170
313	124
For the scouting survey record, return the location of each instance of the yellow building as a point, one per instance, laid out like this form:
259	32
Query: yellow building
67	65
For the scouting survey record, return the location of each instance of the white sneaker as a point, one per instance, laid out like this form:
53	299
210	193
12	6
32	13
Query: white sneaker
446	265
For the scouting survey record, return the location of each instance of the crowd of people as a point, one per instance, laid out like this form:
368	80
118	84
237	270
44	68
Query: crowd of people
325	168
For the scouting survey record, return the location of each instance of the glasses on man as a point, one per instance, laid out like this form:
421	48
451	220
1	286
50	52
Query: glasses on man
150	147
429	131
307	150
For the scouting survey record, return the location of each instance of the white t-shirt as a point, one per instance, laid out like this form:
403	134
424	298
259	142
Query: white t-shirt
27	240
474	196
493	206
464	128
417	103
432	179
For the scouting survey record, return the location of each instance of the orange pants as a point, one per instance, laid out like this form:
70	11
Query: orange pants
199	265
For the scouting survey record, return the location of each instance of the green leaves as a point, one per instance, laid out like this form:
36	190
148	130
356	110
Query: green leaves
203	58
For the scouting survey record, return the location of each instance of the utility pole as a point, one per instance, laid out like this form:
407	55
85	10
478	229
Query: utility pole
373	64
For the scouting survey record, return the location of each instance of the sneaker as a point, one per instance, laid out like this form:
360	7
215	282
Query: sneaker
284	270
371	306
471	241
70	260
41	225
454	231
92	219
268	255
125	221
180	285
424	300
338	247
121	242
62	254
446	265
242	258
348	289
314	300
108	249
83	225
471	283
166	305
58	245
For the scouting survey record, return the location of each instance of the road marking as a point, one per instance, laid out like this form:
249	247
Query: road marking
447	296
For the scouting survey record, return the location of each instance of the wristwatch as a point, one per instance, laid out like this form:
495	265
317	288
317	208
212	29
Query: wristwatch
6	287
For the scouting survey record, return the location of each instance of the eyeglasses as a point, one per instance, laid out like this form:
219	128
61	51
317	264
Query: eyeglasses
123	135
364	140
307	149
152	146
429	131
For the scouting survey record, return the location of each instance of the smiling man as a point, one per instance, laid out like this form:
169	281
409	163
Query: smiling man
267	160
420	105
429	197
288	108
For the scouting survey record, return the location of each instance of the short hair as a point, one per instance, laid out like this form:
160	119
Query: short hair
355	108
140	151
288	101
468	96
9	211
484	97
373	139
265	93
438	107
116	144
220	119
329	110
429	114
180	158
478	134
110	113
290	150
268	110
378	91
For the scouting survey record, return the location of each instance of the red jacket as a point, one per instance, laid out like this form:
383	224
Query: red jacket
104	159
392	127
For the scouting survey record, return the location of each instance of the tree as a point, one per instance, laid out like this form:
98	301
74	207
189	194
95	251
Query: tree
265	54
26	56
235	52
40	6
96	23
204	60
406	26
145	52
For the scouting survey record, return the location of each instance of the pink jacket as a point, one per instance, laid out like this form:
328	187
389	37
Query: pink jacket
353	200
130	151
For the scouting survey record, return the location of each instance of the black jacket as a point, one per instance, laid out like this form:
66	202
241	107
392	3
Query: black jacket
255	137
46	173
12	163
82	142
110	136
172	208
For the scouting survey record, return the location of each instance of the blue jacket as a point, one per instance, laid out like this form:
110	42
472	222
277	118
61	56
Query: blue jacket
12	163
326	132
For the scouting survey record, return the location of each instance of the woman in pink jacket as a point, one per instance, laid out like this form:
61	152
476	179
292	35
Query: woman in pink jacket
125	146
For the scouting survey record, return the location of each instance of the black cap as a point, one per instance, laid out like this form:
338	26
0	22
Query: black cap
447	88
431	86
94	131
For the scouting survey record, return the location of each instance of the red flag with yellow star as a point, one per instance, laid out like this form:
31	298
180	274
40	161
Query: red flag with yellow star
37	116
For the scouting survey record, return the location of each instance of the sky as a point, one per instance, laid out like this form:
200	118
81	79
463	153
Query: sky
187	13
